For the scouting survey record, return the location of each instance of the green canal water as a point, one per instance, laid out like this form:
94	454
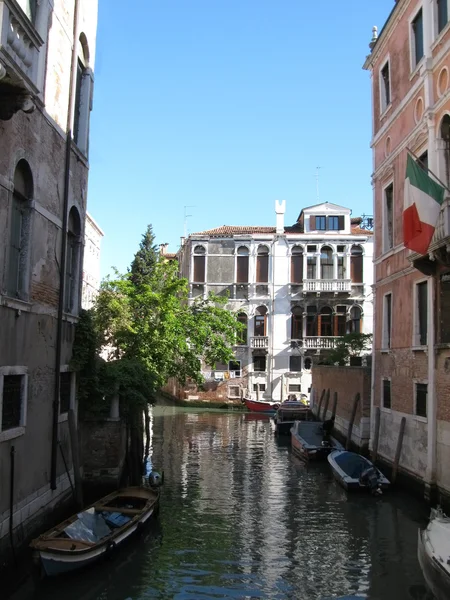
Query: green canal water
242	518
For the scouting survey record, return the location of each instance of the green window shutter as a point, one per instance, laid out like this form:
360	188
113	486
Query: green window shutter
15	249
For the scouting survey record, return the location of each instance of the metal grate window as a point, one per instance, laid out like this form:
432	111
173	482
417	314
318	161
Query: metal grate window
64	392
421	399
12	401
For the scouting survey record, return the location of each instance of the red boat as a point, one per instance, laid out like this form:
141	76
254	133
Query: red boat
261	405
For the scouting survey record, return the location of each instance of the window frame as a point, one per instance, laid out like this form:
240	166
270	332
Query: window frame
292	358
63	416
385	94
417	334
417	382
386	334
317	228
414	62
15	432
382	404
260	357
385	228
439	27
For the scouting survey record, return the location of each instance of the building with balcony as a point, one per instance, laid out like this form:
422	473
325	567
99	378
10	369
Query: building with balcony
47	55
409	64
296	290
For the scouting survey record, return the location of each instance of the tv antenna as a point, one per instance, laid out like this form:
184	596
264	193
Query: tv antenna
186	217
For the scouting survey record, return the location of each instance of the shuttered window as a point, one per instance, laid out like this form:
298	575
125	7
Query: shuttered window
356	264
297	326
297	265
242	265
262	265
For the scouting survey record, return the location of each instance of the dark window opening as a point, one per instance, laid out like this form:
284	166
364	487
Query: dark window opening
295	363
421	399
260	325
442	14
12	401
333	223
294	387
311	266
64	392
235	365
297	265
259	363
444	308
308	363
386	393
356	264
423	160
325	322
389	217
242	265
386	89
326	263
72	260
355	319
417	27
387	320
262	265
445	136
297	326
422	312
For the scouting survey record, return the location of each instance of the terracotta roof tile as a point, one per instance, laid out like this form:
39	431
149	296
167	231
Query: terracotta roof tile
356	230
230	230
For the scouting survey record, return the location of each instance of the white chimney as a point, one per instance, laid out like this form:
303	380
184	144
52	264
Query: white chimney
280	209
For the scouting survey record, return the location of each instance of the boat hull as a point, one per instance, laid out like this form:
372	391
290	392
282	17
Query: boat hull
261	406
312	449
350	483
436	577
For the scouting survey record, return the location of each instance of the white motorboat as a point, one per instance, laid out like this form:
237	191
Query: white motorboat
434	554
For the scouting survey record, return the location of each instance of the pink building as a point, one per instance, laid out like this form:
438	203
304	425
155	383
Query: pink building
409	65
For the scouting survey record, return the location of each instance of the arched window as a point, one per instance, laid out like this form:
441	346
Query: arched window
297	265
20	230
326	322
355	320
311	321
260	321
83	96
242	335
262	265
72	261
297	323
326	262
242	264
199	264
356	264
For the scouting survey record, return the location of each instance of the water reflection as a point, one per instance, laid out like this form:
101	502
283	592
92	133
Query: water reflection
241	517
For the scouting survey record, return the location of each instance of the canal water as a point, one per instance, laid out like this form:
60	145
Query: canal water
242	518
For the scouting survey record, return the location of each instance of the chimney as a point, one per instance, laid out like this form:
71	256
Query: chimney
163	249
280	209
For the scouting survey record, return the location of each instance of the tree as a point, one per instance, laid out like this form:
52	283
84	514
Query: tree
349	346
145	258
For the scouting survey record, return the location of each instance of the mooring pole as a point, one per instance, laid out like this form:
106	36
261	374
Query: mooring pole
398	449
352	420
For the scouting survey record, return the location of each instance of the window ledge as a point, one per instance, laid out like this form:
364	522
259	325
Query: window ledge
385	350
70	318
440	36
15	303
62	418
419	348
10	434
443	346
386	110
385	409
417	68
421	419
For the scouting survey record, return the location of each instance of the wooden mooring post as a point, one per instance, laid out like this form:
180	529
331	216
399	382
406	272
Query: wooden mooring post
320	403
398	450
352	420
376	435
333	410
325	406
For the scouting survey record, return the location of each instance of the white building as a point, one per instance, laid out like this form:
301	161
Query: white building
296	289
91	262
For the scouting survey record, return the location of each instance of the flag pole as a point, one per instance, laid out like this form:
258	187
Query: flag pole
422	166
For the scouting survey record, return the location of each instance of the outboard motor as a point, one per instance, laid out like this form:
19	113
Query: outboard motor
369	478
156	479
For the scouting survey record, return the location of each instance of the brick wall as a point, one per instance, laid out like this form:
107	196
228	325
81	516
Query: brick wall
103	447
347	382
210	391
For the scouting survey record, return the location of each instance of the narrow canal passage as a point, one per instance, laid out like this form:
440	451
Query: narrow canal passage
242	518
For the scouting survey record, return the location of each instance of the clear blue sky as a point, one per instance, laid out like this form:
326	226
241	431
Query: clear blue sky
227	105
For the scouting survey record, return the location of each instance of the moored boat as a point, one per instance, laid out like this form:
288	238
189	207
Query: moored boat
289	412
433	551
88	536
309	442
266	406
355	472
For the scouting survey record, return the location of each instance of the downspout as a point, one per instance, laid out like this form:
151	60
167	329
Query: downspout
432	400
62	270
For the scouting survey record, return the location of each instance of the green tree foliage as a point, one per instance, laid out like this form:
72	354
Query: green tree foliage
350	345
145	258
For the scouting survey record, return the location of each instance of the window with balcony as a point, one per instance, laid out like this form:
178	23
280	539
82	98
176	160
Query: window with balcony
242	265
20	233
325	328
388	218
297	323
356	264
326	263
340	267
421	314
417	39
73	273
340	320
259	363
385	86
297	265
260	321
355	319
199	264
421	399
387	321
311	267
442	14
262	265
242	335
311	321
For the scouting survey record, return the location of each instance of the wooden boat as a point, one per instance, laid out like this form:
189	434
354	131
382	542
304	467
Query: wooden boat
289	412
433	551
264	406
355	472
93	533
309	442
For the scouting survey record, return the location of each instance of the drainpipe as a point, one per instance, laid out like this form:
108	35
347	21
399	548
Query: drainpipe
272	358
430	477
62	270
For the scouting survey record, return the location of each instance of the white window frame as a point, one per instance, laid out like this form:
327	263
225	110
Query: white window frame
416	324
412	41
384	105
385	217
436	32
10	434
384	334
385	408
233	396
415	382
236	370
62	417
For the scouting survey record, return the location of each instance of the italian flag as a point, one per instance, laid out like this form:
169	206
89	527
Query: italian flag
421	205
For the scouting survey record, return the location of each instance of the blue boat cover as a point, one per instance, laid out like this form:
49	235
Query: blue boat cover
116	519
352	464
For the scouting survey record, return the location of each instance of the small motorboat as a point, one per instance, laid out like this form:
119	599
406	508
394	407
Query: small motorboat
93	533
289	412
433	551
263	406
355	472
310	442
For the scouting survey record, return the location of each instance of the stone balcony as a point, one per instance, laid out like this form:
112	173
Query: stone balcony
315	343
19	60
259	342
327	285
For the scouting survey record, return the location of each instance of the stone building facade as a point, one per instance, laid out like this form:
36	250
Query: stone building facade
91	262
409	65
295	289
47	54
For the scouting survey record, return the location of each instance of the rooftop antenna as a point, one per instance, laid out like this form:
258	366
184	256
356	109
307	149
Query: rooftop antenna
186	217
317	184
